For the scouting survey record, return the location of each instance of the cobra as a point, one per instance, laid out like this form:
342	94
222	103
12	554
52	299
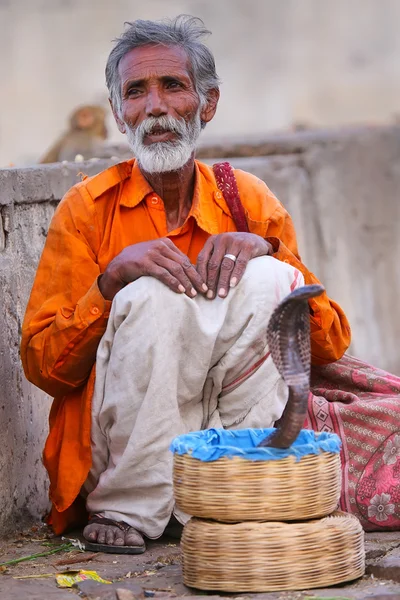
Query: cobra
288	336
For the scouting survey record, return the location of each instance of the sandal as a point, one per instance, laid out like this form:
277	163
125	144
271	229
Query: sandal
95	547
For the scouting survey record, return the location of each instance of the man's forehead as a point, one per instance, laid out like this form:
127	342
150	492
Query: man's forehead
153	60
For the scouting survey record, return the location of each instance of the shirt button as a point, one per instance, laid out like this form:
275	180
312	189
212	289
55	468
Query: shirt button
154	200
94	310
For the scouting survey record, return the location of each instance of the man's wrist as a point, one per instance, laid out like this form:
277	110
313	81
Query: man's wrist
270	249
274	242
109	286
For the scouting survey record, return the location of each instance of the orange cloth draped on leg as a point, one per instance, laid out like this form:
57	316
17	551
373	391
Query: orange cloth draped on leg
67	315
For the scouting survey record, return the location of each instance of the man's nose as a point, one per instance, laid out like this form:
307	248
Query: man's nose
155	106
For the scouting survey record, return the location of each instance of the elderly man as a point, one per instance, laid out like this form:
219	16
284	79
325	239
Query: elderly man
148	314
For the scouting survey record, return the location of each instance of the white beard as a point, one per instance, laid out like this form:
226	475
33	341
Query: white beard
162	157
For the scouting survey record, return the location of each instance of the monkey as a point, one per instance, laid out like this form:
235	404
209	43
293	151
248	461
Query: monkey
85	136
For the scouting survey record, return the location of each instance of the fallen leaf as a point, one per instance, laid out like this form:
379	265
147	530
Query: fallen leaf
69	578
75	559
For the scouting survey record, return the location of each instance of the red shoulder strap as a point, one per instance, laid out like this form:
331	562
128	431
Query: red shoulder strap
226	181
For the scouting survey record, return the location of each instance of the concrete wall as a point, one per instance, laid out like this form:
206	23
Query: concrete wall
342	190
281	62
28	198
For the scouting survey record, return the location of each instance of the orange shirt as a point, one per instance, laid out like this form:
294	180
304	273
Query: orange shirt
66	315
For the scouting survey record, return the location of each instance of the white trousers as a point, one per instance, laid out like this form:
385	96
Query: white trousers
168	364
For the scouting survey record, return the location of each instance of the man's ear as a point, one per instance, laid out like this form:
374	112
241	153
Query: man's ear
120	124
209	109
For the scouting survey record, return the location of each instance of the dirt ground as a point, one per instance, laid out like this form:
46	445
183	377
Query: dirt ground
157	573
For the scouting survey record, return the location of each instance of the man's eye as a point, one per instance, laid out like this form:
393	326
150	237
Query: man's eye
133	92
174	84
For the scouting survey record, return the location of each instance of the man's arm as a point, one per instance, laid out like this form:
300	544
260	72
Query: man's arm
70	300
66	314
330	330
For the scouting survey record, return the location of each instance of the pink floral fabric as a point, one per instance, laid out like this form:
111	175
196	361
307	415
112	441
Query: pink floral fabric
362	405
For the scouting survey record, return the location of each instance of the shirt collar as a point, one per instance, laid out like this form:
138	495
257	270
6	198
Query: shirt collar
206	195
136	187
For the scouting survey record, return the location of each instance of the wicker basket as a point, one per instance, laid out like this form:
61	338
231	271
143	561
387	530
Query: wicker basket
261	557
236	489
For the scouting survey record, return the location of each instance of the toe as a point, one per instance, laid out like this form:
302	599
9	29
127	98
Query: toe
133	538
119	539
110	535
90	533
101	535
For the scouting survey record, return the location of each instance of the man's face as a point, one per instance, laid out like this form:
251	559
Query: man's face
160	112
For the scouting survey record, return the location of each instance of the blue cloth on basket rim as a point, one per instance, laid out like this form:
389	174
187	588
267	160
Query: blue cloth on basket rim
212	444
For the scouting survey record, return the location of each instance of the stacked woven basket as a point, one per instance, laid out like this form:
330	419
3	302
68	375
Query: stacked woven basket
263	500
263	519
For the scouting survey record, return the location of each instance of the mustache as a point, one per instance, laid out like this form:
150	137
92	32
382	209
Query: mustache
165	123
162	157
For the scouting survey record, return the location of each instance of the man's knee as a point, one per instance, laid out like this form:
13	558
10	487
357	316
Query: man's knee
149	288
267	273
148	296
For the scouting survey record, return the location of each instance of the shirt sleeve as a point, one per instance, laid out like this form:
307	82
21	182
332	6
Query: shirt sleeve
66	314
330	330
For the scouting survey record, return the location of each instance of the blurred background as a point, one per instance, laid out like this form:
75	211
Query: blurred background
285	64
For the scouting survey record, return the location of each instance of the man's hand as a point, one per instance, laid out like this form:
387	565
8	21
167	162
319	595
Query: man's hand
158	258
221	272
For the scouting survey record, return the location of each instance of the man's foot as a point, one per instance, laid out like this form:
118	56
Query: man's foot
116	537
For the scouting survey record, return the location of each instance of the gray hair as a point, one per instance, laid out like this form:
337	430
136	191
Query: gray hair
184	31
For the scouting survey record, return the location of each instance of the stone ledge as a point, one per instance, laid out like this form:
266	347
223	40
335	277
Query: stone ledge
43	183
49	183
288	142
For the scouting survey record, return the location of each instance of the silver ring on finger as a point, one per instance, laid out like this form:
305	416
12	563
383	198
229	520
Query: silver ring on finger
231	257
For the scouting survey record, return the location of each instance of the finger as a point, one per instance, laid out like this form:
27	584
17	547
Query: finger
186	268
214	266
226	268
239	268
167	278
194	276
203	258
179	274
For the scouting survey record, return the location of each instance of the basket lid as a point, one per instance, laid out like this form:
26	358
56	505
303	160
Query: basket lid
212	444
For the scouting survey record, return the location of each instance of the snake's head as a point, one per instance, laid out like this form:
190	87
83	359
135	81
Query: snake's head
288	336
